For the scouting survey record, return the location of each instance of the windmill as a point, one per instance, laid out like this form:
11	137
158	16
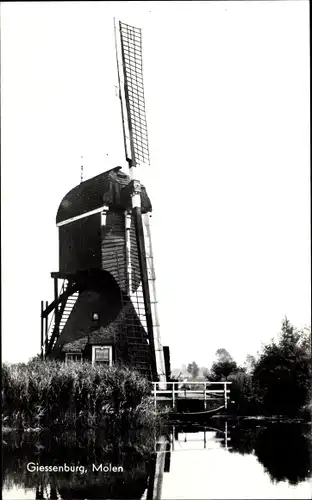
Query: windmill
132	100
106	309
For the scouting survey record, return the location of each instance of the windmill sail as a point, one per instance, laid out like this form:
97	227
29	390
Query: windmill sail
132	95
131	92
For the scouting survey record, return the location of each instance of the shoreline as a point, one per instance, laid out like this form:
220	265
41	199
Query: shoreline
247	418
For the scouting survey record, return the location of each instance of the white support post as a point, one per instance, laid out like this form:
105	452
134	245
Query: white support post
128	250
136	194
154	304
225	395
173	394
155	395
104	211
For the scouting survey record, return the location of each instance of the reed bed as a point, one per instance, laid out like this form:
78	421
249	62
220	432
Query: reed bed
46	394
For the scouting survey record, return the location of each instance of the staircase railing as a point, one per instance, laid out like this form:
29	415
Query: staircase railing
64	310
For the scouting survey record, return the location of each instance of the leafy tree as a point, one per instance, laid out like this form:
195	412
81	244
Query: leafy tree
244	394
205	372
224	366
250	363
222	370
282	375
223	355
193	369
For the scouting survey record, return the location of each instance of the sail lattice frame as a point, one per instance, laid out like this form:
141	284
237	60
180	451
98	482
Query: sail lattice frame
131	47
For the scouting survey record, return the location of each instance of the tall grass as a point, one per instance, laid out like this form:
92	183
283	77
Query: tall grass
50	393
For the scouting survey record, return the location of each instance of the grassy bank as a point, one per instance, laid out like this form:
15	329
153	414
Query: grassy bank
51	394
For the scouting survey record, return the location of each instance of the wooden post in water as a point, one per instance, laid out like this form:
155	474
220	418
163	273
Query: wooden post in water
41	331
173	394
205	397
226	435
225	395
46	327
39	492
56	310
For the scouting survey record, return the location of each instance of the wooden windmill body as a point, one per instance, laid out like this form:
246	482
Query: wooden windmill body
106	309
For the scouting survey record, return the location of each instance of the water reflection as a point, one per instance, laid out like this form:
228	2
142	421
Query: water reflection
154	467
285	452
132	454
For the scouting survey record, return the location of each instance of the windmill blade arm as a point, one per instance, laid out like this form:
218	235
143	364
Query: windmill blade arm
132	64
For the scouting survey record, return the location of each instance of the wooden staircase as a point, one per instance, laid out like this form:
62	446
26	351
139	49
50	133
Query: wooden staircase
64	311
69	305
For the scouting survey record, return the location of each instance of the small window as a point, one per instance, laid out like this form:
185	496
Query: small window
74	356
102	355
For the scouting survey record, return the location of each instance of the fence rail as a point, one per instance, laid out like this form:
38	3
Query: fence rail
172	391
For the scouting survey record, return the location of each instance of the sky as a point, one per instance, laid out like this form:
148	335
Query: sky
227	101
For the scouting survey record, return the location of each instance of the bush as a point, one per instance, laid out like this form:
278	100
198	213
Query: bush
283	373
278	383
51	393
244	394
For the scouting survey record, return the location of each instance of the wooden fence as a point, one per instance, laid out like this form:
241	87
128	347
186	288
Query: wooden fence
204	391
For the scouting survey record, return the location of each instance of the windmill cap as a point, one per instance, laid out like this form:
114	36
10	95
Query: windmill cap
91	194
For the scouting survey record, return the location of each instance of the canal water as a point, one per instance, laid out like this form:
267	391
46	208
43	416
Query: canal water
223	459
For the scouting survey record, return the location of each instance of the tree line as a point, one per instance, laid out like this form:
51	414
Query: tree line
276	382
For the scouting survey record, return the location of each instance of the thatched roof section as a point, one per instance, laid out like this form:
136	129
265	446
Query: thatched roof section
76	346
110	333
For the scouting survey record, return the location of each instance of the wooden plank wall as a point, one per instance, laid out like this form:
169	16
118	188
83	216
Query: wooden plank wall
80	244
114	249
